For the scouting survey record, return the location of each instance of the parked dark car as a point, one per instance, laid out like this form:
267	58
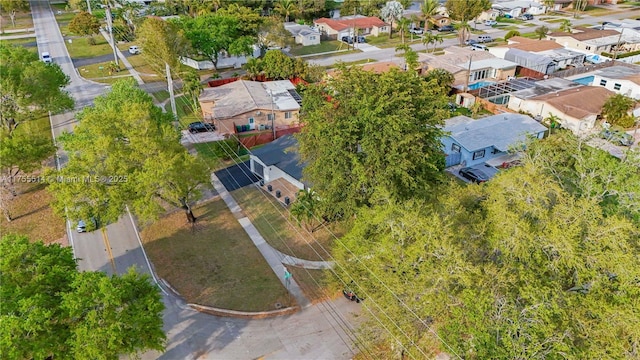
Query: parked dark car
349	39
446	28
526	17
199	126
474	175
470	42
617	137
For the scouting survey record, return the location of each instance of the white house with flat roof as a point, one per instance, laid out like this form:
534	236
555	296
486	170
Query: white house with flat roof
471	142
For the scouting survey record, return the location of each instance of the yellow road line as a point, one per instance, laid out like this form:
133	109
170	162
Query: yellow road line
108	247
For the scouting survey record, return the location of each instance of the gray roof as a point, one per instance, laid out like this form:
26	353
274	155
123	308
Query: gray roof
618	72
500	131
543	87
283	153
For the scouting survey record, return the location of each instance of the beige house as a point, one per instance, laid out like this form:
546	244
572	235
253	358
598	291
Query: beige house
344	26
251	105
587	40
304	35
577	107
469	67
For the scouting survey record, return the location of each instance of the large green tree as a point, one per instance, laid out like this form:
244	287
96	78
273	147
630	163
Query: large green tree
85	24
365	134
12	7
162	42
518	268
125	151
51	310
212	34
29	89
273	33
465	11
428	9
286	8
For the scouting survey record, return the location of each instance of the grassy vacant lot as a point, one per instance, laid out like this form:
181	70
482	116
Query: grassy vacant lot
79	47
95	72
21	42
213	263
273	222
324	46
383	41
314	283
141	66
30	209
23	21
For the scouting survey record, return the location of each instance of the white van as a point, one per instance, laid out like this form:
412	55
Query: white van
479	47
484	38
134	50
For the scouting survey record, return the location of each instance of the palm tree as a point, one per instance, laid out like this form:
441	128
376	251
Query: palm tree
429	9
253	67
542	32
392	11
464	31
565	26
549	4
617	110
286	8
192	88
430	38
403	27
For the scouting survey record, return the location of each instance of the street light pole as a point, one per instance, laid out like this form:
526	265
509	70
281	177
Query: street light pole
273	116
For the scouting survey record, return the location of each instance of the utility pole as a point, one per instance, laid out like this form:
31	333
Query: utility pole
170	88
89	7
273	116
466	85
615	53
110	25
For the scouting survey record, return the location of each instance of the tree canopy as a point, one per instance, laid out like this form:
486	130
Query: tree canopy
368	133
526	266
51	310
125	151
84	24
162	42
12	7
617	110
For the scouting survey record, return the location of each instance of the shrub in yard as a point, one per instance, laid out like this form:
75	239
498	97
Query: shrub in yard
511	34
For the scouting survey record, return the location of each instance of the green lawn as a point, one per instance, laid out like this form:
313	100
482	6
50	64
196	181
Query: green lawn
314	283
273	222
79	48
213	263
324	46
20	42
161	95
351	63
99	72
216	154
383	41
23	21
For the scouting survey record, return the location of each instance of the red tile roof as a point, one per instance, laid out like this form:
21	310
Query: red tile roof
345	23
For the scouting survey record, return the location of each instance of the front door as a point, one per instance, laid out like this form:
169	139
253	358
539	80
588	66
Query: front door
252	124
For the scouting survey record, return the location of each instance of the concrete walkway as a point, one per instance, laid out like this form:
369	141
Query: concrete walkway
21	36
273	257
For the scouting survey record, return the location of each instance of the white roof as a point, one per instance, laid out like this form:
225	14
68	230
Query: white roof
500	131
495	63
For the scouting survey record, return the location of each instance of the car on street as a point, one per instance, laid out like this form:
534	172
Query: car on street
82	225
46	58
470	42
474	175
490	22
199	126
133	50
526	17
484	38
617	137
350	39
417	31
479	47
446	28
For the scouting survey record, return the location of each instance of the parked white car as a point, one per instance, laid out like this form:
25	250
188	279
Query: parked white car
416	31
133	50
490	22
47	58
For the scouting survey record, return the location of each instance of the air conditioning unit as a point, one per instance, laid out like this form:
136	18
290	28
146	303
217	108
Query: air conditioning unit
258	112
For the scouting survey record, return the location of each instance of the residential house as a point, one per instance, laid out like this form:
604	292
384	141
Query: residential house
303	34
439	21
577	107
517	8
557	5
484	66
344	26
544	56
623	80
587	40
278	165
251	105
472	142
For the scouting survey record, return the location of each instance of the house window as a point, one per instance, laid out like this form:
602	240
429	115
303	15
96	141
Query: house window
270	117
455	148
588	48
251	120
312	37
478	154
616	86
287	115
603	82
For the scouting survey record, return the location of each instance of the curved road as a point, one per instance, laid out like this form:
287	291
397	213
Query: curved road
318	332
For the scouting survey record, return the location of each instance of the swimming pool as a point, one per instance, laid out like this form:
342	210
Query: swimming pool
480	84
584	81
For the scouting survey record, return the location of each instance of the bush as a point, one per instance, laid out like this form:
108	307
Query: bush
511	34
91	40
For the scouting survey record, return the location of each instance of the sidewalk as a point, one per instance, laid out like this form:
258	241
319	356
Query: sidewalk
124	60
274	258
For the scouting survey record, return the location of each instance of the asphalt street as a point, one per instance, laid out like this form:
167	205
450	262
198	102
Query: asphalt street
322	331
